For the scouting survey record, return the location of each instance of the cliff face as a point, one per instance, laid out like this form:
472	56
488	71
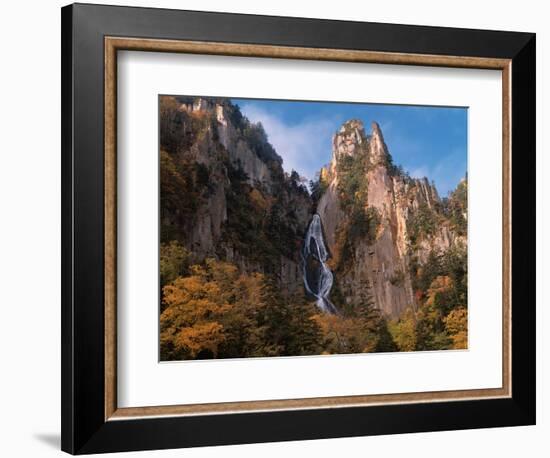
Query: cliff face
226	194
394	202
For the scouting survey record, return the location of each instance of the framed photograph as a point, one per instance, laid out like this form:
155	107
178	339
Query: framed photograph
281	228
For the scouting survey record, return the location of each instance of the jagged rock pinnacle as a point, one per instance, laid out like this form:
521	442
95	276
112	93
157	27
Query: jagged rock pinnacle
378	151
352	124
348	138
352	136
376	131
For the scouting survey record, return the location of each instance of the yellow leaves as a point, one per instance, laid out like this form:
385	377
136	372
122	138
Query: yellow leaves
198	306
188	299
222	273
251	290
403	331
202	336
346	335
168	105
323	176
198	271
323	321
456	321
173	261
258	200
341	237
182	289
332	324
456	324
168	164
440	284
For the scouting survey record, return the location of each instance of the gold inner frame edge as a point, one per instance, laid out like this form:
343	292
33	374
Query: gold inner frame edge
114	44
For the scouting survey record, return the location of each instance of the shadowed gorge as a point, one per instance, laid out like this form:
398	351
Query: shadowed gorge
254	262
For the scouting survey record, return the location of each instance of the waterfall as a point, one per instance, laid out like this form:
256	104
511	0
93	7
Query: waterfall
318	278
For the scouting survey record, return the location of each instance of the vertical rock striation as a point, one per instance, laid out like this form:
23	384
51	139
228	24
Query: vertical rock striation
239	204
225	195
380	261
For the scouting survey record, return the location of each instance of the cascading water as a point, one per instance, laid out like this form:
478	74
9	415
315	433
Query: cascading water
318	278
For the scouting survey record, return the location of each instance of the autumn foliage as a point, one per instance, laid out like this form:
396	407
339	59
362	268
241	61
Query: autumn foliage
218	312
231	279
215	311
440	320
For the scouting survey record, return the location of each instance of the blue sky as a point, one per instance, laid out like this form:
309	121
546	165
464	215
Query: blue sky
426	141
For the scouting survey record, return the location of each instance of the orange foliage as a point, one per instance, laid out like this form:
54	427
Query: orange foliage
258	200
403	330
439	285
200	337
194	307
198	307
456	324
346	335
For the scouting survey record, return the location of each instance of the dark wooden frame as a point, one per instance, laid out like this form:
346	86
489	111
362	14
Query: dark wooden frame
89	420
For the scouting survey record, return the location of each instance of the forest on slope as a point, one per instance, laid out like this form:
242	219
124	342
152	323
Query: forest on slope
233	225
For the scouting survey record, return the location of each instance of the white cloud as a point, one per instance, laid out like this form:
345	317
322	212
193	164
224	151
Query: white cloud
420	172
304	146
446	173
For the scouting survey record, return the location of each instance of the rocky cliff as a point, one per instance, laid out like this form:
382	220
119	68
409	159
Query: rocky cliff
224	193
405	216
